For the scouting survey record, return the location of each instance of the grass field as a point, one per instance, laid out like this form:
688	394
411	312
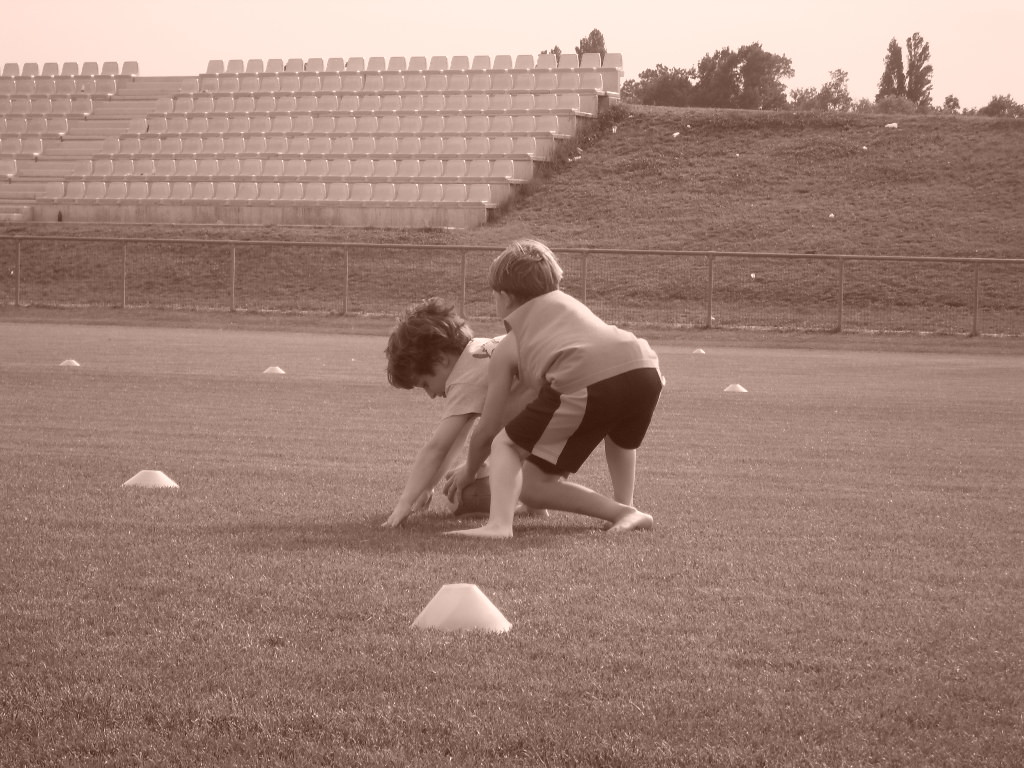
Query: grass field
834	578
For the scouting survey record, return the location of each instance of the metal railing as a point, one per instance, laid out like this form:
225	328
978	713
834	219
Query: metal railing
633	287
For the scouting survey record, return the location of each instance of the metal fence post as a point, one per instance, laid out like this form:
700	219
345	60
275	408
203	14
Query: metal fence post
586	269
124	277
977	300
711	289
344	301
462	306
233	267
842	290
17	279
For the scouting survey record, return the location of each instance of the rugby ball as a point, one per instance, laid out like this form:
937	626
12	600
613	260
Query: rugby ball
476	499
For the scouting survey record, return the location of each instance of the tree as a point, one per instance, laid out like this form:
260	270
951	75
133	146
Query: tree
893	82
919	71
556	50
1002	106
951	105
660	86
834	95
592	43
719	83
760	77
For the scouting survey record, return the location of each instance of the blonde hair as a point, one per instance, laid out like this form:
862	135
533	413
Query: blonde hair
526	269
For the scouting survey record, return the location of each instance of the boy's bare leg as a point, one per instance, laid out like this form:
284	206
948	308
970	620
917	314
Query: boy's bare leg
541	489
506	480
622	468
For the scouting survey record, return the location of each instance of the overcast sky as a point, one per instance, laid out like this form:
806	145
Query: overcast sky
974	45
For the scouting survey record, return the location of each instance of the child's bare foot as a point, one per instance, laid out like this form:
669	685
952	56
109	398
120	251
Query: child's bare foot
635	520
488	531
524	511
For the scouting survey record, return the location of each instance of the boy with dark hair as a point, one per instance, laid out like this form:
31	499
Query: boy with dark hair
594	383
433	349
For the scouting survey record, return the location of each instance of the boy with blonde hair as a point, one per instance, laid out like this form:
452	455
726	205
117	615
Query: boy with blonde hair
594	383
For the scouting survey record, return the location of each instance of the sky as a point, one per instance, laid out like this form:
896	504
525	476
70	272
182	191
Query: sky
974	45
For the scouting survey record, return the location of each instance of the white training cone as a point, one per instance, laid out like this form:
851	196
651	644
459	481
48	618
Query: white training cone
273	369
461	606
735	388
71	364
150	478
699	352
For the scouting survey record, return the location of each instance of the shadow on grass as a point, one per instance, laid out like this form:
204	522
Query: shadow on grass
420	535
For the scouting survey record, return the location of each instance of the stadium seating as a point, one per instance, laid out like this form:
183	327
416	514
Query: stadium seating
360	142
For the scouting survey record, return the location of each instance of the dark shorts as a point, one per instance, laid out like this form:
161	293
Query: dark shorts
561	431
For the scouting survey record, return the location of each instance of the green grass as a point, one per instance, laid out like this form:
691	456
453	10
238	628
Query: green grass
834	577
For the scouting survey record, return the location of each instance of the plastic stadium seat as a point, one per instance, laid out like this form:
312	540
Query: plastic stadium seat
244	104
408	145
456	102
431	193
181	190
408	167
218	124
362	167
339	167
590	61
171	144
202	190
342	145
407	192
314	191
503	168
431	168
478	145
75	190
320	145
185	166
294	65
92	68
454	168
95	190
234	145
309	83
159	190
431	145
546	61
376	64
373	81
393	81
275	66
224	190
338	191
122	166
269	191
455	193
290	83
383	192
415	81
116	190
416	64
390	102
298	145
247	190
478	167
477	102
355	64
458	82
314	65
360	191
481	61
30	69
277	145
410	123
273	167
568	81
568	61
11	69
322	124
352	82
281	123
478	124
455	123
436	82
316	167
502	62
453	145
479	82
294	166
256	145
479	193
228	166
291	191
215	67
385	167
335	64
250	166
54	190
254	66
207	166
163	166
8	167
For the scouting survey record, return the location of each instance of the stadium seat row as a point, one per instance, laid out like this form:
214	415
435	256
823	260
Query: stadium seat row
187	104
33	125
561	124
8	167
524	142
21	145
415	63
46	105
400	82
119	167
270	191
71	69
57	86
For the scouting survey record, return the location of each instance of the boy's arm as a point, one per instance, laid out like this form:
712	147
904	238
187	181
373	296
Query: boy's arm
430	463
501	375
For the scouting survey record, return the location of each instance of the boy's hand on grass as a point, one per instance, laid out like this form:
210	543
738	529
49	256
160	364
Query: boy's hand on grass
454	483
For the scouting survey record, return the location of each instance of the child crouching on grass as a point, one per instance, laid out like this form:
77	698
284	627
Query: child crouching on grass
594	383
433	349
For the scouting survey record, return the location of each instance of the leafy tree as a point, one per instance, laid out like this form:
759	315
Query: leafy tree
1002	106
556	50
893	82
951	105
919	71
661	86
719	83
592	43
760	75
834	95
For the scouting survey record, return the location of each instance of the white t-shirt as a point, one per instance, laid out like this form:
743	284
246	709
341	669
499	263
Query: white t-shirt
466	387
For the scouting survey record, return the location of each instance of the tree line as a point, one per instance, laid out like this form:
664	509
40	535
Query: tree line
751	78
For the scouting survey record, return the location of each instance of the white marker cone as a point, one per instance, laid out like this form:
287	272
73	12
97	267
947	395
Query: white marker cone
150	478
735	388
71	364
461	606
273	369
699	352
